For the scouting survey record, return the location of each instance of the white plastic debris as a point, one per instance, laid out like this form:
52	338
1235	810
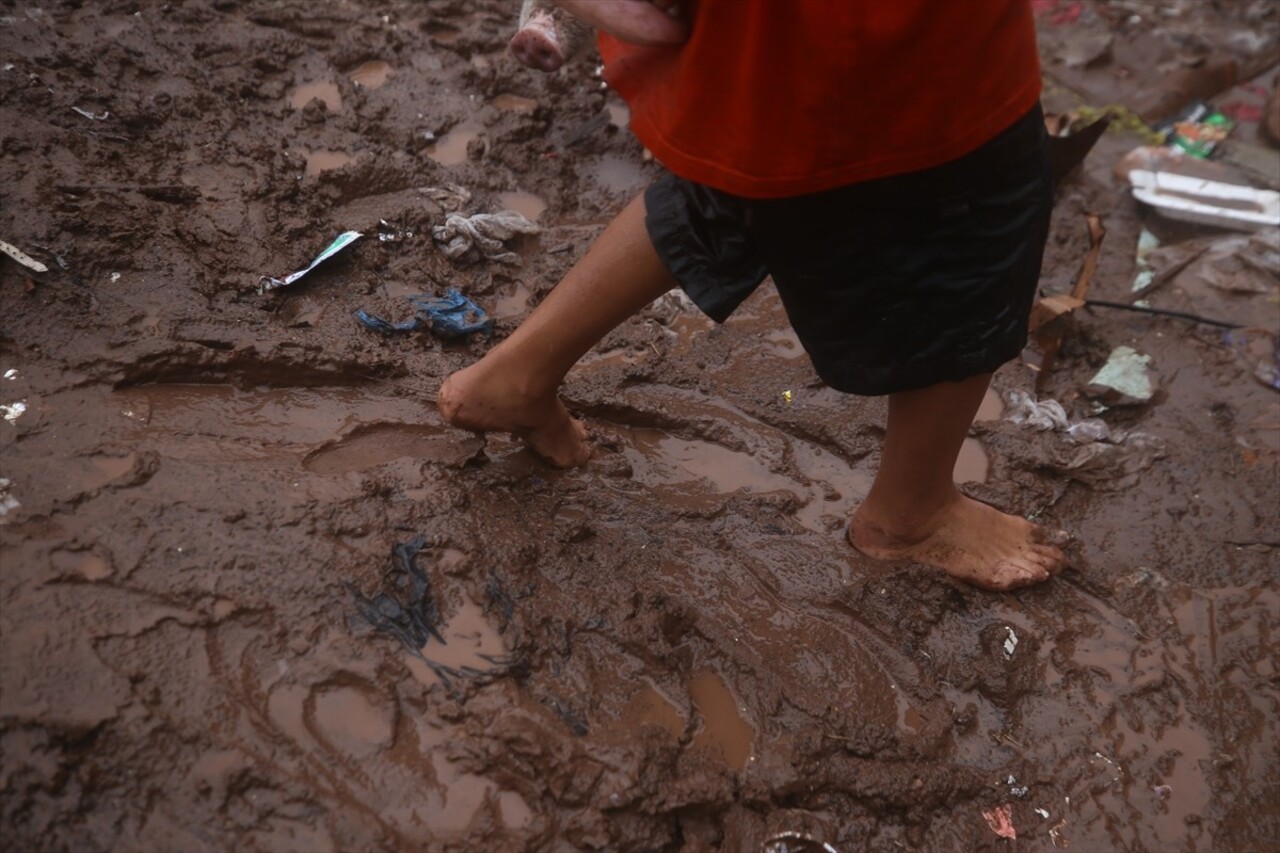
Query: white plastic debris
103	116
7	501
483	234
1206	202
1010	644
1044	813
1125	380
13	411
22	257
11	374
1044	415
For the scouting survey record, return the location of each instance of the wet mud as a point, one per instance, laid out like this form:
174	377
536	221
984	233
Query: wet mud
672	648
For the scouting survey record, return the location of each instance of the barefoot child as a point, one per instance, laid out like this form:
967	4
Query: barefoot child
885	162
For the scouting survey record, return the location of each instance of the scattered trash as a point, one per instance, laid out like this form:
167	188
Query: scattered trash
466	237
1097	456
1056	836
449	196
1083	47
103	116
11	374
1056	305
13	411
1015	789
1198	129
1124	380
1000	820
1206	202
22	257
1022	408
786	397
1163	792
1111	465
339	243
1175	161
1010	644
7	501
1044	813
790	841
450	317
1147	243
412	616
388	233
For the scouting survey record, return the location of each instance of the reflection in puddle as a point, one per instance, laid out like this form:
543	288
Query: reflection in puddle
451	149
972	465
372	74
325	91
514	103
526	204
723	727
616	173
324	161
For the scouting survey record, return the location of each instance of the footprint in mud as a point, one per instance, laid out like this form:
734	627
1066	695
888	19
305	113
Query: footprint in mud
377	444
352	718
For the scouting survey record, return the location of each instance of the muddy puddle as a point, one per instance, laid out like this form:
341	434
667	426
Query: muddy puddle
672	648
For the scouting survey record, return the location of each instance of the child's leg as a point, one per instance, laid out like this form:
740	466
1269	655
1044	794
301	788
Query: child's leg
513	388
914	511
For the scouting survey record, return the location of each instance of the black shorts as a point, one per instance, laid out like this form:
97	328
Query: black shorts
891	284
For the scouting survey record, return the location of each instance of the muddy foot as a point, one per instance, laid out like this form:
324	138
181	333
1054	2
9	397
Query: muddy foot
471	400
970	541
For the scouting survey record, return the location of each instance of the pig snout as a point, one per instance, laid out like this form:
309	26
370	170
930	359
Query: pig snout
537	44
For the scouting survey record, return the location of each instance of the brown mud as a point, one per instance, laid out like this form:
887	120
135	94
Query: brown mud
670	649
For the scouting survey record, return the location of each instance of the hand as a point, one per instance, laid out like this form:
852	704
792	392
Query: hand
645	22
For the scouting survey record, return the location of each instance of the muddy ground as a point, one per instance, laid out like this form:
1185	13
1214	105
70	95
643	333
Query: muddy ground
671	649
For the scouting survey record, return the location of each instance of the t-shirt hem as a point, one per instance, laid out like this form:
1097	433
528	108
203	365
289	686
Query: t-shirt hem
720	177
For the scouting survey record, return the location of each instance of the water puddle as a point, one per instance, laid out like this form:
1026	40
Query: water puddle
324	90
972	465
991	408
617	174
514	103
451	149
371	75
659	459
514	305
86	564
471	643
724	729
378	444
324	161
526	204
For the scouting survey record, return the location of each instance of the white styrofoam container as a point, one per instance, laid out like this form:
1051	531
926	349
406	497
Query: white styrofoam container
1200	200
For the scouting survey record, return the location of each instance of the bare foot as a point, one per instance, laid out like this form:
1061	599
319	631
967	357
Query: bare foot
970	541
477	398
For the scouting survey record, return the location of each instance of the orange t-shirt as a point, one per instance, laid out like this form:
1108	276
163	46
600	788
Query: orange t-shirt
773	98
